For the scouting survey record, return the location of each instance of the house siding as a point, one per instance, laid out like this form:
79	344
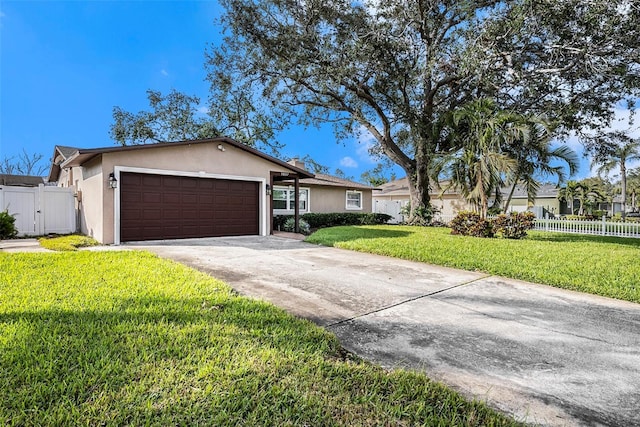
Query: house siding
334	199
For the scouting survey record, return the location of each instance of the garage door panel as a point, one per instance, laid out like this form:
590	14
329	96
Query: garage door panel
168	207
169	181
189	198
150	181
189	214
170	197
151	198
172	214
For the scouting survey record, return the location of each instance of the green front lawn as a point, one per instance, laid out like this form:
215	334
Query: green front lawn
608	266
126	338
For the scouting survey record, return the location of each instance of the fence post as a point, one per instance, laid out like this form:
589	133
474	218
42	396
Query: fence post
604	225
546	221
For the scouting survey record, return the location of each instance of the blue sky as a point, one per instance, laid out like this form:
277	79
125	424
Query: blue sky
64	65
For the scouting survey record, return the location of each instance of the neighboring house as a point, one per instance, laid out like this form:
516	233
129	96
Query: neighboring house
203	188
546	200
396	193
21	180
391	197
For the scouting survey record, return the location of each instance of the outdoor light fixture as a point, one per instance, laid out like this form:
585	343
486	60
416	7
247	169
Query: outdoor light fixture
221	147
113	182
268	189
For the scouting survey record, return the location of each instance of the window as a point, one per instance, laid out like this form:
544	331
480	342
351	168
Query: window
279	199
354	200
284	199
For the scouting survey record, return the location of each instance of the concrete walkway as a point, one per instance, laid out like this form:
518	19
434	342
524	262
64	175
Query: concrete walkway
21	245
544	355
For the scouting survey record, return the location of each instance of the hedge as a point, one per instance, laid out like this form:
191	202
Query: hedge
321	220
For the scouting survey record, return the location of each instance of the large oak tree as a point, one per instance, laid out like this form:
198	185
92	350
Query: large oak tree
396	68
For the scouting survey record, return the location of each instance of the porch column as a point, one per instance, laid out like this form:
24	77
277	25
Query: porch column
296	210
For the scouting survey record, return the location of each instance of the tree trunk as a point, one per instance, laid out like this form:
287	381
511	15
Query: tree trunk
418	179
623	183
513	189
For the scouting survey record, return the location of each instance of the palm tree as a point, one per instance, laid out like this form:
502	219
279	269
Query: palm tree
568	194
534	155
589	192
621	150
633	187
480	131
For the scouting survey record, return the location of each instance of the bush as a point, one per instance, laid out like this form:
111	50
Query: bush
482	228
424	215
290	225
514	225
321	220
463	222
510	226
8	228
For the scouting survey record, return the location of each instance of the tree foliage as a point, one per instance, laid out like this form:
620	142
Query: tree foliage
396	68
172	117
24	164
179	117
617	149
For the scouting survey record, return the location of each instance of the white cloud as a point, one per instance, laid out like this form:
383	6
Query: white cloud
348	162
203	109
364	143
164	72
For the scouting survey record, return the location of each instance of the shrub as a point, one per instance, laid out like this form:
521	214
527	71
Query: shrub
425	214
514	225
463	222
482	228
320	220
290	225
8	228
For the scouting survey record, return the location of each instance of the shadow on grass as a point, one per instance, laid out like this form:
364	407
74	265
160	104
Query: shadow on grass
542	236
222	361
144	360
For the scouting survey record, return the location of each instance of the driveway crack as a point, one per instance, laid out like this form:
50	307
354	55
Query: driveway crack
377	310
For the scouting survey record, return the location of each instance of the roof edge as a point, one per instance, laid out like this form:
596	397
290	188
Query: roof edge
83	155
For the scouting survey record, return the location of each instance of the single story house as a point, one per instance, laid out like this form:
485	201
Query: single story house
321	193
393	196
390	197
202	188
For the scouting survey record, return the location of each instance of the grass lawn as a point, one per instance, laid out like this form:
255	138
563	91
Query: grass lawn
608	266
67	243
126	338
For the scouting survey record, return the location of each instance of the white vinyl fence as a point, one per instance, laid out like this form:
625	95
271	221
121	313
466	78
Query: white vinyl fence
40	210
390	207
600	227
597	227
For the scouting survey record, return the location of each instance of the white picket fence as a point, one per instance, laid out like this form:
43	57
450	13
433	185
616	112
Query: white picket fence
40	210
595	227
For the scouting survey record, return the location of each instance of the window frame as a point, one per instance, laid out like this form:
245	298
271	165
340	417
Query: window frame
361	198
289	190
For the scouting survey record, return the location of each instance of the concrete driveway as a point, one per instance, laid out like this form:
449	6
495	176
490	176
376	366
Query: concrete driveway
544	355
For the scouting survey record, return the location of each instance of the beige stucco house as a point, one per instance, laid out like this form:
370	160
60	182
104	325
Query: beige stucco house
204	188
391	197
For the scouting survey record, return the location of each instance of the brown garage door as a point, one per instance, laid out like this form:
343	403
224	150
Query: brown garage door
154	207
